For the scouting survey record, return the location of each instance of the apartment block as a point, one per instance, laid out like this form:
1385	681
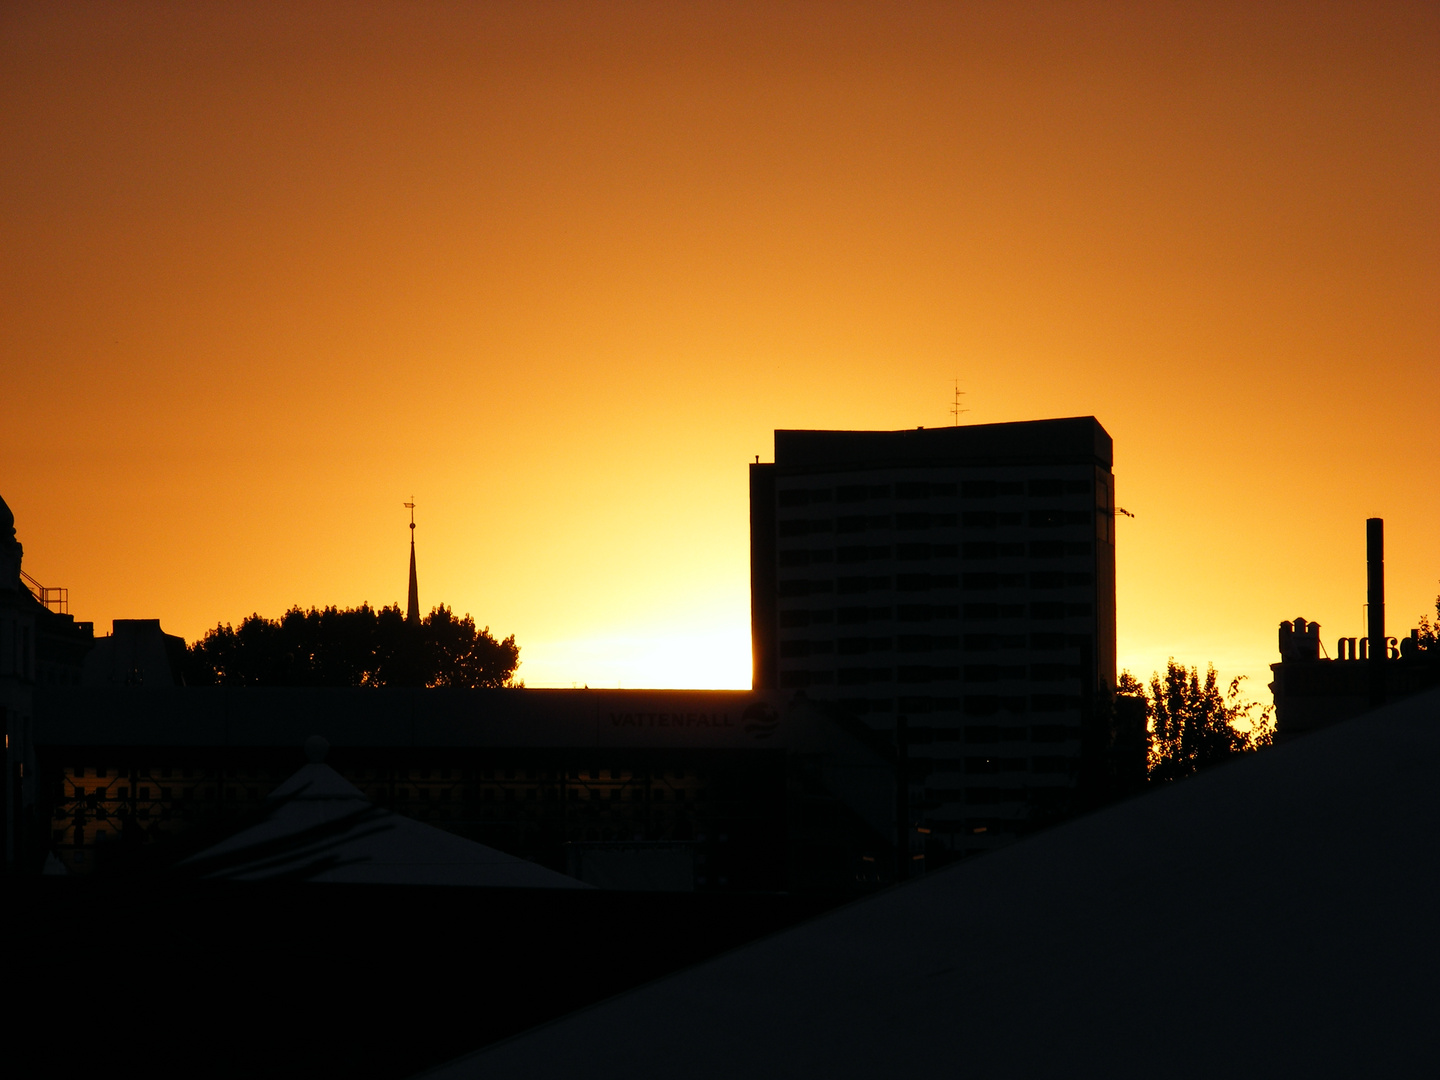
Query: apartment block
954	587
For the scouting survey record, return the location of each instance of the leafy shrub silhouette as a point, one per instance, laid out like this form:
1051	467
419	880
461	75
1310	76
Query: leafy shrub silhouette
1192	724
353	647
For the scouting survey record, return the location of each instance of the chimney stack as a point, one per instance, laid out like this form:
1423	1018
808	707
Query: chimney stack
1375	597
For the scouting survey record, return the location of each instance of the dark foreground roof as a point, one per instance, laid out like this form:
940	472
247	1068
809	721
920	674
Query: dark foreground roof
1275	916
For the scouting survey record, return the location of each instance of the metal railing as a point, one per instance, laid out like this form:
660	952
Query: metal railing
57	600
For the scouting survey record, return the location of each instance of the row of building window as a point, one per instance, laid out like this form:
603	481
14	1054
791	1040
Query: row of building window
919	674
207	794
909	675
1046	763
870	583
980	611
1037	642
411	775
979	734
975	705
97	797
96	807
948	704
979	796
989	550
975	581
1042	488
164	772
921	552
973	673
73	830
951	704
923	519
621	794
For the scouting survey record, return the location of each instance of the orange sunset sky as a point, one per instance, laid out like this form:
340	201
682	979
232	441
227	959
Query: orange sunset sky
559	270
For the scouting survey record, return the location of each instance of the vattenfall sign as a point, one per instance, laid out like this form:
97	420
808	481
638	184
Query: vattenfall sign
1345	649
759	721
675	720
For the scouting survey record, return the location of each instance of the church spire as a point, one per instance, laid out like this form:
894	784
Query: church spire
412	608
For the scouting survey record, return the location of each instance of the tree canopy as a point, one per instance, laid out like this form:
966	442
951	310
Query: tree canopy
1192	724
1428	638
353	647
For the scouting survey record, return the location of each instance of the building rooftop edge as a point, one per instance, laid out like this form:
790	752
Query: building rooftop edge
1068	440
946	428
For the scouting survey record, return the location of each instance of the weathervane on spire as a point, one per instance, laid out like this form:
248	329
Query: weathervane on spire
412	608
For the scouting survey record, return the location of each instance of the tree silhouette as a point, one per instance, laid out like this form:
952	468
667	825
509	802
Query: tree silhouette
1192	724
1428	638
353	647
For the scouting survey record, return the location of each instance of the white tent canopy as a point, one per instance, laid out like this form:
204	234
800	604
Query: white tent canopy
319	827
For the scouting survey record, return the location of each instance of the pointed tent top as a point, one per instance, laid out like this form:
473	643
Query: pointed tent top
318	782
317	826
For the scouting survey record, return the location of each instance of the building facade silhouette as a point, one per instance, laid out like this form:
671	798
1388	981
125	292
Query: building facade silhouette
758	792
41	646
1365	672
954	588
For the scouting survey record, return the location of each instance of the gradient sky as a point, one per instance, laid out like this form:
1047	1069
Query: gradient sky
559	270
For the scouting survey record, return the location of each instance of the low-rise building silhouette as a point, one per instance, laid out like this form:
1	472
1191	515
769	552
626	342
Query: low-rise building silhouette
1314	690
136	652
761	791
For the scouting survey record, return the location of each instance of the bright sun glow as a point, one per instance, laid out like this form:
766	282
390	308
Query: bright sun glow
698	659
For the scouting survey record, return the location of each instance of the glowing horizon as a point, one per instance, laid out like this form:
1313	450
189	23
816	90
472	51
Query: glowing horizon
560	273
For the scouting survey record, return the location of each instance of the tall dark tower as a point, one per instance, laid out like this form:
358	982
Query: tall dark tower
412	607
954	587
1375	605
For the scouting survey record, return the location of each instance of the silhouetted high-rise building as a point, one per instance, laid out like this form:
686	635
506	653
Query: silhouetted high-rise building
955	586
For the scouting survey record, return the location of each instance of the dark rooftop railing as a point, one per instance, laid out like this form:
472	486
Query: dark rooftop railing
57	600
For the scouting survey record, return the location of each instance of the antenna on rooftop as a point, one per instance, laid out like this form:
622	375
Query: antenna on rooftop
955	409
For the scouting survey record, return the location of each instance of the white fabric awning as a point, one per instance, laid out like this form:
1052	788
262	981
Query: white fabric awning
320	827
